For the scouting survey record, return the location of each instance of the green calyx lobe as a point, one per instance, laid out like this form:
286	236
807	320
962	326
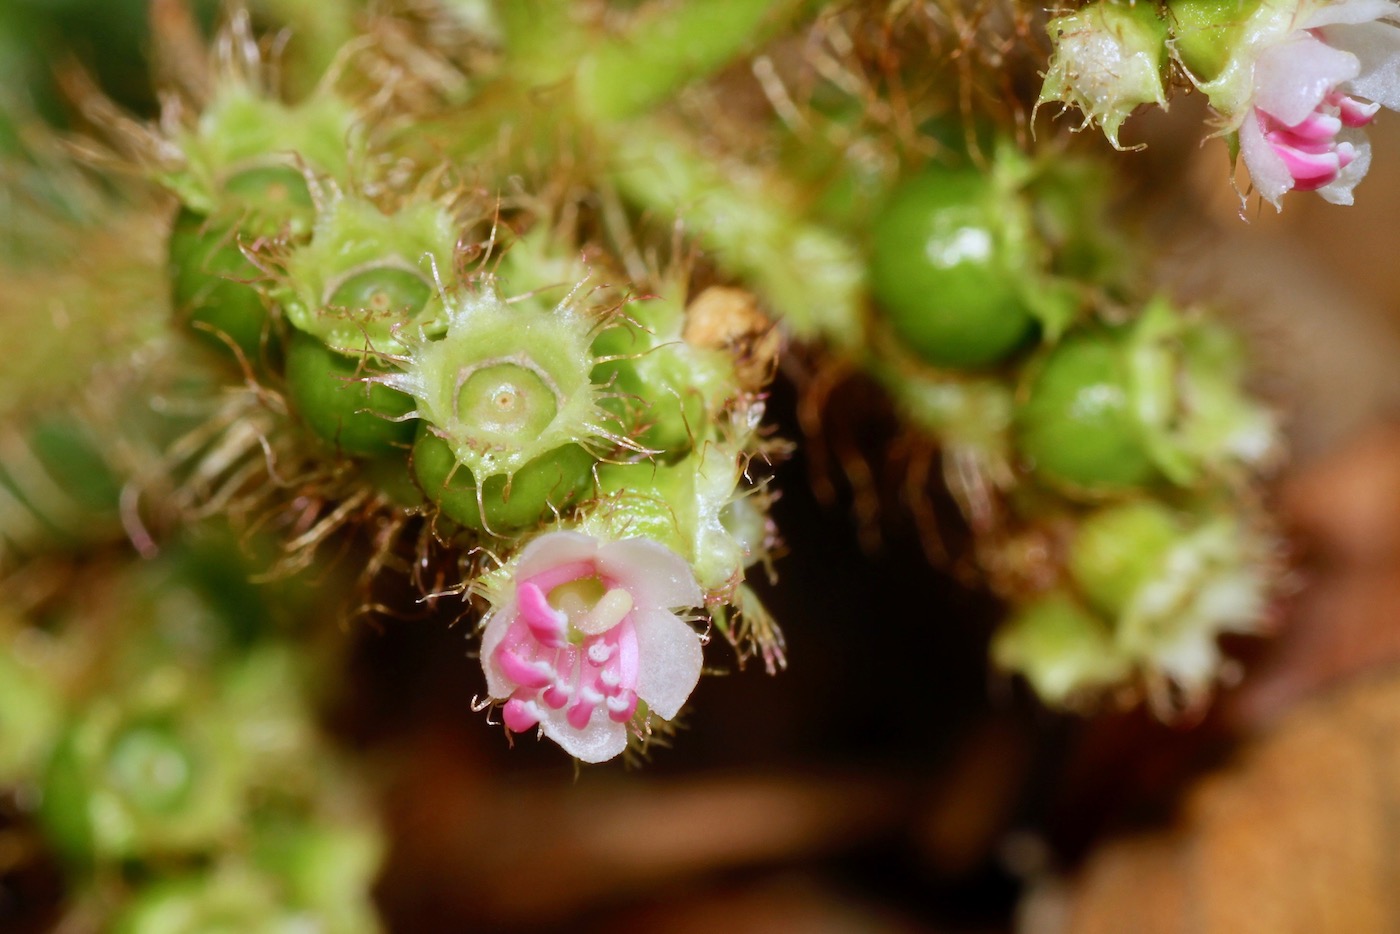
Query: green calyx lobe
330	393
950	253
1205	33
529	496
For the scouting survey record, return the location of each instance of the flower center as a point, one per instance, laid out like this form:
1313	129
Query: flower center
380	291
572	645
505	402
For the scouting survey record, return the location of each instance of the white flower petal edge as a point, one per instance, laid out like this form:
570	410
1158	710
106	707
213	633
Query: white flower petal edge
671	661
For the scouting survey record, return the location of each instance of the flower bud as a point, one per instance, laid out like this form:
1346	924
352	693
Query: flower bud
506	384
137	778
1061	648
1111	409
1108	59
366	277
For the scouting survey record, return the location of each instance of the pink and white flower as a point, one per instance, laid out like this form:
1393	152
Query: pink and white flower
585	630
1316	73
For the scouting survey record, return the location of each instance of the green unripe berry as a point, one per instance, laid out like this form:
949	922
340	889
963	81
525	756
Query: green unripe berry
1119	550
1077	426
211	293
949	258
334	400
533	494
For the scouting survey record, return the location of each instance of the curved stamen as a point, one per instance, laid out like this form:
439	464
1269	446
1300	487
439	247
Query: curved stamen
520	715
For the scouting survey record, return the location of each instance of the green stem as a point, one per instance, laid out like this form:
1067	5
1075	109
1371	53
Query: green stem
753	223
664	49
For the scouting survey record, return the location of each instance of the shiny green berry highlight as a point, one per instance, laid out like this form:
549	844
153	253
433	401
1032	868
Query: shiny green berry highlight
948	254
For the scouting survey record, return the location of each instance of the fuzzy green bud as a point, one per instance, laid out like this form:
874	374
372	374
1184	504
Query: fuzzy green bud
1107	59
1206	34
366	278
685	506
1119	549
1113	409
506	384
126	781
1061	648
667	374
225	901
246	152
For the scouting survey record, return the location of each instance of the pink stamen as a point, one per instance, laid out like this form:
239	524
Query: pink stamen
551	672
519	715
580	714
528	673
622	707
1352	112
563	574
1307	166
548	625
1317	128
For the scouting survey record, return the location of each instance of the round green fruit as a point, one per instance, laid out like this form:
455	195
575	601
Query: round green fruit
1120	550
329	392
532	494
1077	426
949	253
210	287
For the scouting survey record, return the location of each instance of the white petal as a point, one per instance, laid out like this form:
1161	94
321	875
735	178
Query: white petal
1293	76
1193	660
1351	12
600	741
655	575
552	549
1267	170
1377	48
670	658
1339	191
496	624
